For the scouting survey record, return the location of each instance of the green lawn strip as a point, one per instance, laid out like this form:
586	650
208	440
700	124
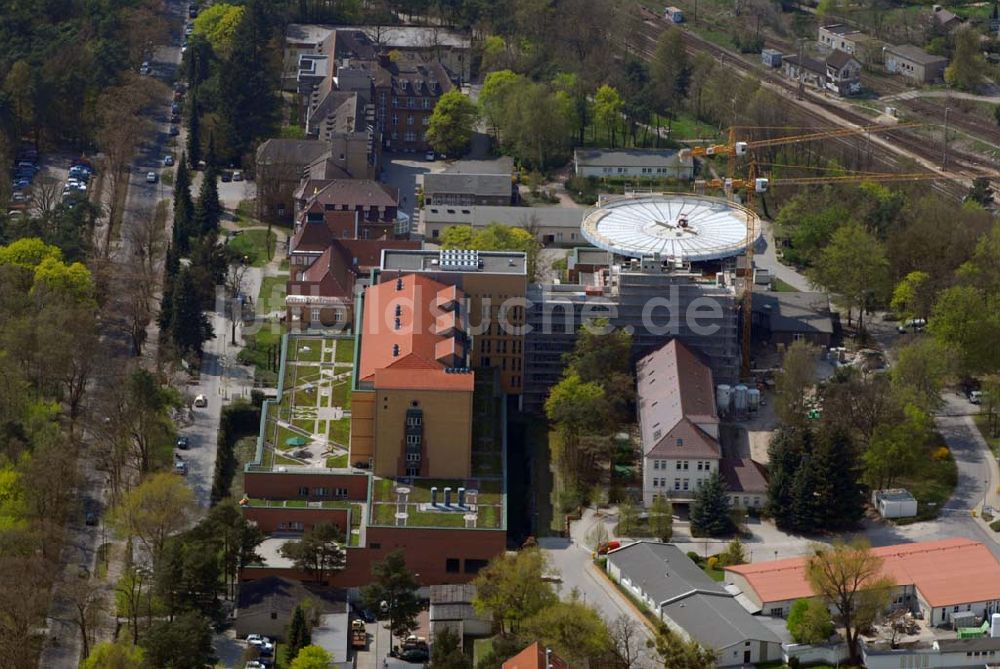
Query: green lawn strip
337	461
779	286
715	574
356	516
341	395
245	451
340	433
983	423
244	213
420	491
344	351
253	245
308	350
282	460
305	424
272	294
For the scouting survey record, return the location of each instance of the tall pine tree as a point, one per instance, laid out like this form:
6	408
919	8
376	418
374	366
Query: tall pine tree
183	208
784	457
836	456
194	131
710	510
189	326
208	210
299	636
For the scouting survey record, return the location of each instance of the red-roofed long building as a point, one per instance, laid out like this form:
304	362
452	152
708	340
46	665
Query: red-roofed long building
412	409
938	578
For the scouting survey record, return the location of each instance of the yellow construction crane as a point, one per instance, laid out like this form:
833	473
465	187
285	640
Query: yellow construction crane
753	183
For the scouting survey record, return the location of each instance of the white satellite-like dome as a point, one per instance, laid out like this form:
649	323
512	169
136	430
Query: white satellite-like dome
681	227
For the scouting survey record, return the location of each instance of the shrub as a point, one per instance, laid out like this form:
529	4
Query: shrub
995	526
941	453
713	562
694	557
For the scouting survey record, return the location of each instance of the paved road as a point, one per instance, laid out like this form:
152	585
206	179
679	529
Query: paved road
64	648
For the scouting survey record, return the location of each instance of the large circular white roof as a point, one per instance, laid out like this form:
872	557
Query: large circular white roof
677	227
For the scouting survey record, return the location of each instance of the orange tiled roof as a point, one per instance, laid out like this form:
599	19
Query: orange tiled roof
399	334
533	657
946	572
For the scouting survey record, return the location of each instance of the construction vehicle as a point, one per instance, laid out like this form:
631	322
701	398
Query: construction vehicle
359	636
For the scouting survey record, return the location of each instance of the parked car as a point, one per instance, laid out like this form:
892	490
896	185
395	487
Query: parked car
201	401
90	517
976	396
183	443
180	467
414	655
227	176
174	131
430	155
168	160
145	69
257	639
912	325
151	177
237	176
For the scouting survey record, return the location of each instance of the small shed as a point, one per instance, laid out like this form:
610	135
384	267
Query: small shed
894	503
771	57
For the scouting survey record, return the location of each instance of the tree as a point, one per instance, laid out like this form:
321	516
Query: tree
679	653
194	132
850	577
626	642
913	296
572	629
967	67
393	592
208	210
184	643
628	518
154	510
608	107
798	374
854	267
493	97
511	588
962	320
661	518
114	655
734	554
670	69
312	657
597	534
183	208
320	552
189	326
299	635
809	621
710	510
452	123
896	448
446	653
218	24
920	372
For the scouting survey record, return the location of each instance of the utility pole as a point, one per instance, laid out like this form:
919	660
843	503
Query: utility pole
944	160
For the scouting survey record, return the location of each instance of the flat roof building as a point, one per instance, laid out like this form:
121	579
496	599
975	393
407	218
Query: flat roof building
553	226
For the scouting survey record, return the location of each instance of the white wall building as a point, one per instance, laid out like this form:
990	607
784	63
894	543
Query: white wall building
639	163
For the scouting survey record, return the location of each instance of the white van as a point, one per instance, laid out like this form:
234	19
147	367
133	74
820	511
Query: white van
200	401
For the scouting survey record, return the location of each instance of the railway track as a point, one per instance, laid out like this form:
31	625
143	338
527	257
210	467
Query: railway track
650	26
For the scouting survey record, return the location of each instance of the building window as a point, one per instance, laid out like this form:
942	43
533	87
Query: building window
680	442
472	566
375	545
656	483
340	492
296	526
452	565
414	421
656	464
413	457
395	101
410	137
426	120
427	103
677	484
678	464
685	465
413	440
303	492
314	314
685	484
409	120
699	465
320	492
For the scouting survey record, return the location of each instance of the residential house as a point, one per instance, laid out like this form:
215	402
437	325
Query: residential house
452	48
346	121
322	285
412	408
495	283
839	36
680	594
407	88
843	73
315	231
280	164
451	607
746	482
678	423
536	656
641	163
838	73
937	579
553	226
914	63
946	20
472	182
783	318
266	606
375	203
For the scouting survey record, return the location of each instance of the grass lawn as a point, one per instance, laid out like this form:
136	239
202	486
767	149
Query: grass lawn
931	482
254	244
308	350
245	450
345	351
779	286
244	213
342	394
340	433
715	574
686	126
337	461
291	132
272	294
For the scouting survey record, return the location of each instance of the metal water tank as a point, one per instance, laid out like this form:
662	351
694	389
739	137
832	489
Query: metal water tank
740	399
753	397
723	394
995	625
